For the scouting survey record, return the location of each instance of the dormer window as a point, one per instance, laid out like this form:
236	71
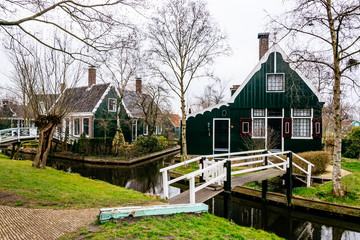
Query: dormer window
112	105
275	82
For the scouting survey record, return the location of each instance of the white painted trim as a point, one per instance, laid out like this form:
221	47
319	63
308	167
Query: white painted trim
311	127
80	114
229	134
111	99
132	133
274	48
266	83
101	99
83	125
217	106
126	109
74	126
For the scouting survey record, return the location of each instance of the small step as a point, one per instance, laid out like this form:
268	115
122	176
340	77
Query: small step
107	214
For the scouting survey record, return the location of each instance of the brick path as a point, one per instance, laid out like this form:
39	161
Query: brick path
47	224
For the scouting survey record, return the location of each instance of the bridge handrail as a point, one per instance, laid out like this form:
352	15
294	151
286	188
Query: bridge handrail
209	156
198	172
284	164
261	155
304	160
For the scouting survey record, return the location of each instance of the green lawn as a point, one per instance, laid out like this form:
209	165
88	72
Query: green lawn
179	226
27	186
351	186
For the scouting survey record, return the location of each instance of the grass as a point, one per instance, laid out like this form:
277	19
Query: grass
350	183
179	226
191	167
49	188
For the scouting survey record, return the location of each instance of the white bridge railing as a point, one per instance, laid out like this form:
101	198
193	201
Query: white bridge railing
211	171
10	134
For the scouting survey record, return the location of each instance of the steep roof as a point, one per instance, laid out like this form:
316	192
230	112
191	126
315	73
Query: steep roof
175	119
275	48
86	99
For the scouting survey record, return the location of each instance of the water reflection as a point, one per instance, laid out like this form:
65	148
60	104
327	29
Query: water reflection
286	223
144	177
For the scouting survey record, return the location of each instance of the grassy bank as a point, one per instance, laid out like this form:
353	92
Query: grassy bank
23	185
351	186
179	226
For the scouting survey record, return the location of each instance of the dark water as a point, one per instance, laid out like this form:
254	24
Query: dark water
146	178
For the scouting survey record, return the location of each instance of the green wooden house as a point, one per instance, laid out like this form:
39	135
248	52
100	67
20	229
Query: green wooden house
274	108
94	110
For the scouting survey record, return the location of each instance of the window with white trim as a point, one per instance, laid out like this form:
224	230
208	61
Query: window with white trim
145	129
158	129
258	127
112	104
134	130
86	126
275	82
258	112
76	126
301	123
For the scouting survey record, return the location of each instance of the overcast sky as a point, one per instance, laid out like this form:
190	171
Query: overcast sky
242	20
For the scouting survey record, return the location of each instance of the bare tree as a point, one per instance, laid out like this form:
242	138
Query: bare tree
212	95
152	105
122	65
184	42
40	76
86	23
330	34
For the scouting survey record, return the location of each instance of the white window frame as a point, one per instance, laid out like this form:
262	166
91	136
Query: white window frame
134	137
310	123
74	126
158	129
83	126
145	129
275	91
109	104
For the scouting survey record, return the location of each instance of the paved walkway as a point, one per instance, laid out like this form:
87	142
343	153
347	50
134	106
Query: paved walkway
47	224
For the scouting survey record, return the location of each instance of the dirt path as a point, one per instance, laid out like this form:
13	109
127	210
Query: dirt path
47	224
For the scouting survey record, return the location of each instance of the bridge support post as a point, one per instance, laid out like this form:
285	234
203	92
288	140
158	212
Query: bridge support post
264	184
289	183
202	167
227	191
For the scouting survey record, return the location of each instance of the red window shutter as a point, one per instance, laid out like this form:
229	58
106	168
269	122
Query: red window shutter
287	127
317	127
245	127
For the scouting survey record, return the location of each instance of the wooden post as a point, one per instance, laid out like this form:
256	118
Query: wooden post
13	150
165	185
264	184
202	167
289	184
227	191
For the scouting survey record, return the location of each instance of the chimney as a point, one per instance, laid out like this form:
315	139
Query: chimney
263	44
92	76
138	85
62	87
233	89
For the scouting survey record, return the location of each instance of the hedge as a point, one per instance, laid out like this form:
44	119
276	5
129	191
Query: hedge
319	158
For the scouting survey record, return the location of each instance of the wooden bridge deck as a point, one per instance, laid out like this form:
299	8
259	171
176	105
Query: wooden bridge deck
210	192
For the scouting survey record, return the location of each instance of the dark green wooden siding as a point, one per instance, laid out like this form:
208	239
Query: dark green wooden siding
297	95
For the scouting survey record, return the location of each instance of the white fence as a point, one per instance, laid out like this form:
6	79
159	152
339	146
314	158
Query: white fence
10	134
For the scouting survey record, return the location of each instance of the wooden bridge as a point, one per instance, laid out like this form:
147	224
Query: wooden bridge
18	134
221	172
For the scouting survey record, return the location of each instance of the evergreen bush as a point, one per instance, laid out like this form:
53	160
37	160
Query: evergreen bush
351	144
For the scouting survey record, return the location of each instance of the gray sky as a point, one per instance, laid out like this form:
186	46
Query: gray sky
242	20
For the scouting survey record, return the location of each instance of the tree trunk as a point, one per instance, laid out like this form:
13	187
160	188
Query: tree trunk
45	136
337	190
183	128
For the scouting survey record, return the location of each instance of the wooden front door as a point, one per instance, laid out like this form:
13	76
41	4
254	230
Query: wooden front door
221	135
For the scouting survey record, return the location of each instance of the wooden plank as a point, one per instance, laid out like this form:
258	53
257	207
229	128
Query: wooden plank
256	177
200	196
106	214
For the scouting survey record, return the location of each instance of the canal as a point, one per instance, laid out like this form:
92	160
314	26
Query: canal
146	178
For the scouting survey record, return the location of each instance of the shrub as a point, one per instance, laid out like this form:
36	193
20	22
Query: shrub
93	146
351	144
319	158
150	144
